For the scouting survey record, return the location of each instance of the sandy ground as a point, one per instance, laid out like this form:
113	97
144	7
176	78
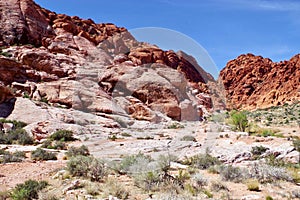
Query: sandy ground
12	174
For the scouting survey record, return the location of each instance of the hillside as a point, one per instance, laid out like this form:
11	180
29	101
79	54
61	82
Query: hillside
253	82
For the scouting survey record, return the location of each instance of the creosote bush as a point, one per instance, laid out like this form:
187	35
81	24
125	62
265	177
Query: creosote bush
41	154
59	145
202	161
8	157
16	136
28	190
87	167
77	151
257	151
63	135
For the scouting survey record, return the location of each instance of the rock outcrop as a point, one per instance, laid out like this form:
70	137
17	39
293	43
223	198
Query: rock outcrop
253	82
101	69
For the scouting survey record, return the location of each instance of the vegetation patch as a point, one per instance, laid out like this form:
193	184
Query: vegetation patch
63	135
41	154
28	190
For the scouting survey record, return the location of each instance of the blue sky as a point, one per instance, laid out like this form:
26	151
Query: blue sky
224	28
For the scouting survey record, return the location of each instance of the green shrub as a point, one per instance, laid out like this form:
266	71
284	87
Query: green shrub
28	190
59	145
41	154
87	167
16	136
257	151
208	194
175	125
17	124
203	161
78	151
63	135
269	198
239	120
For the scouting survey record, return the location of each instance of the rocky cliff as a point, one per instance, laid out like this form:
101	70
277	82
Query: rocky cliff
100	69
253	82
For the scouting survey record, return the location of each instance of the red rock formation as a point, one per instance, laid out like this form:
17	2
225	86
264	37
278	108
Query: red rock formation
63	56
255	82
5	94
25	22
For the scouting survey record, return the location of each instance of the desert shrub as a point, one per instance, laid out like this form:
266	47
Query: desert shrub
295	174
253	185
215	169
296	144
269	198
203	161
41	154
78	151
28	190
231	173
128	161
16	136
208	194
266	173
164	162
149	180
63	135
273	161
199	180
59	145
87	167
175	125
218	186
257	151
147	174
113	187
7	157
17	124
188	138
239	120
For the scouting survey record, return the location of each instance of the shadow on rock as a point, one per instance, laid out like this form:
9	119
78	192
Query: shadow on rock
7	107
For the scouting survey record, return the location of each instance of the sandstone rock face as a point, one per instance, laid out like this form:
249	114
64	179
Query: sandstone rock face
5	94
92	68
253	82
